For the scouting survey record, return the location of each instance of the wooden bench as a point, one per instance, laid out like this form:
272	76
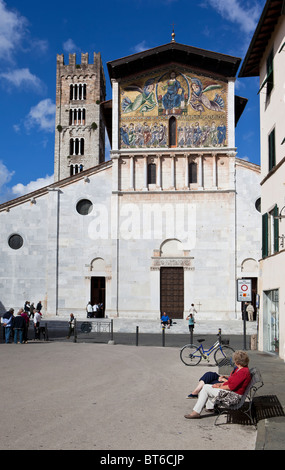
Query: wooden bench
245	404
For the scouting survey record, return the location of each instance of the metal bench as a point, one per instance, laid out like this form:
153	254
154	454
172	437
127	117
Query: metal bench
245	404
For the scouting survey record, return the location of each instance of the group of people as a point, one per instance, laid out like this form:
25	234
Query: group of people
211	384
16	327
94	311
166	321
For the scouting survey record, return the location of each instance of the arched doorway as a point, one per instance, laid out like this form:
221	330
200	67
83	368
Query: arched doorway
98	286
172	279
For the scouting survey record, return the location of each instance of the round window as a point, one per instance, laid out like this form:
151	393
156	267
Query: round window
84	207
15	241
258	204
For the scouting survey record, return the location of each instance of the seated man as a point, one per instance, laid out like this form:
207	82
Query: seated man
165	320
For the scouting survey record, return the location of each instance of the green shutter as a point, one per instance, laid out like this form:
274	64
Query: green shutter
269	69
276	230
271	149
264	235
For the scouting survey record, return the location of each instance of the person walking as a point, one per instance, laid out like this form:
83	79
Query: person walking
71	326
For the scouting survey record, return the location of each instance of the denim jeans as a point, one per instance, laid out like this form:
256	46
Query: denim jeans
18	332
7	333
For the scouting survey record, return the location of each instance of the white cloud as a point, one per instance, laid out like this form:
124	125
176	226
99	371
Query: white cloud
12	29
70	47
42	116
5	174
21	78
21	189
140	47
5	178
243	13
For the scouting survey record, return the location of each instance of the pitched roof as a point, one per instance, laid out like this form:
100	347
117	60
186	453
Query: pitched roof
272	11
173	52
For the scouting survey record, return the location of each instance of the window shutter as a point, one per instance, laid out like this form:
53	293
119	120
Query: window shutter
276	230
264	235
271	149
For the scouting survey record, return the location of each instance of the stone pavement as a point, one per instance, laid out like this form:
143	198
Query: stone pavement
116	397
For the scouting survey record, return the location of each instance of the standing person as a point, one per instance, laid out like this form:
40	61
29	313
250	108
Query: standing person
32	310
7	323
250	311
191	322
89	310
39	306
192	310
71	326
27	307
19	324
26	328
95	310
37	320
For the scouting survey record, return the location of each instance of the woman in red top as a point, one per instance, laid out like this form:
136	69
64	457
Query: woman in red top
237	382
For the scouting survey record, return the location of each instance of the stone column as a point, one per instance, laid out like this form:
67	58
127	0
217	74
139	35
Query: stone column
215	185
158	176
186	171
200	177
132	172
115	115
173	172
145	174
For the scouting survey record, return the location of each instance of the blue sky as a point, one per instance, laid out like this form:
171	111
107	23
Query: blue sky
32	33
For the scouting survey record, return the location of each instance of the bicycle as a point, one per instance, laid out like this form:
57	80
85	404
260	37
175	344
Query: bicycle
191	354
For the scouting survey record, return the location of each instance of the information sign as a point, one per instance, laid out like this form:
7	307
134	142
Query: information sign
244	290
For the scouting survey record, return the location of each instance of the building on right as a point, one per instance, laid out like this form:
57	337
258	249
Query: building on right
266	58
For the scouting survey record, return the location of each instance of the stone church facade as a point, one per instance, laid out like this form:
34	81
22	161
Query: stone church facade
171	219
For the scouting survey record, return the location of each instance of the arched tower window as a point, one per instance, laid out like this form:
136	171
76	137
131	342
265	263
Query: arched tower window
74	169
77	91
76	146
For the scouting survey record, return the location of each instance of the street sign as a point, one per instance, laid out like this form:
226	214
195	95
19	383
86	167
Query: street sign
244	290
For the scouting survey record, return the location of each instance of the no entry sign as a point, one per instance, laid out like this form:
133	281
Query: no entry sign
244	290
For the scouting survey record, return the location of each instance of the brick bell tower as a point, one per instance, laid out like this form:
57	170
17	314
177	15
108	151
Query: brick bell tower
79	127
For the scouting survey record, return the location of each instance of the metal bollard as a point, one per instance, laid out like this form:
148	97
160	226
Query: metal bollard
137	336
163	336
75	331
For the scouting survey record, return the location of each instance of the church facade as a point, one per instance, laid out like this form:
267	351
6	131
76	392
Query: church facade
170	220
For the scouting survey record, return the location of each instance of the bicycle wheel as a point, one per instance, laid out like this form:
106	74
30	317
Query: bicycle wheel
190	355
224	356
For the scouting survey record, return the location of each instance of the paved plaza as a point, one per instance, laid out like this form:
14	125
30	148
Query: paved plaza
79	396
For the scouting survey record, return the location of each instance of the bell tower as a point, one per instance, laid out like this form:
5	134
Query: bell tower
79	127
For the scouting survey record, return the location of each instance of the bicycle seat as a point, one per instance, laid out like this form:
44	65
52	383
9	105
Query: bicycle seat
201	340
